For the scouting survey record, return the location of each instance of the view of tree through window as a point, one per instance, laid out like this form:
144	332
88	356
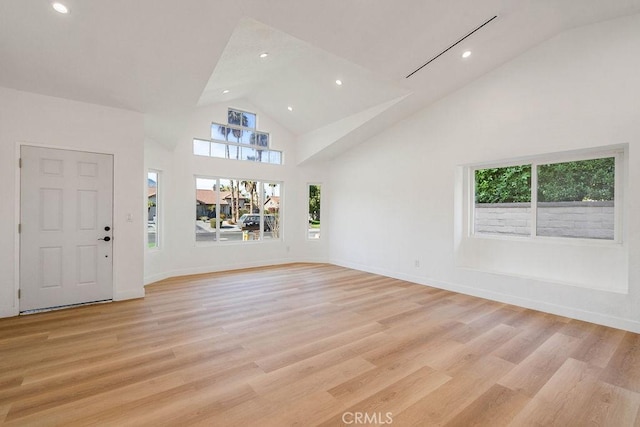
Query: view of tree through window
503	185
237	209
238	139
574	199
585	180
314	211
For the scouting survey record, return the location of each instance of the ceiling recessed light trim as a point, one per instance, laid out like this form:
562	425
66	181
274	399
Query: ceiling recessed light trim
451	47
466	54
339	82
60	8
264	54
290	108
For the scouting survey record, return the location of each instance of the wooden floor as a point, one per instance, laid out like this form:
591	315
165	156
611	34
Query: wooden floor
313	344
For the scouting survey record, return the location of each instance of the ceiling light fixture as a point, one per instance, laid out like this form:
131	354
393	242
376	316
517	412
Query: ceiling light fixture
264	55
339	82
59	7
225	91
290	108
466	54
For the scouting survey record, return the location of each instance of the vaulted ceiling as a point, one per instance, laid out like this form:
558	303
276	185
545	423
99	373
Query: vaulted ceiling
165	58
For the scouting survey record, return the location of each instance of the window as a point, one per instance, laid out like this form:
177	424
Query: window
503	200
271	209
569	198
237	210
153	201
313	231
576	199
238	139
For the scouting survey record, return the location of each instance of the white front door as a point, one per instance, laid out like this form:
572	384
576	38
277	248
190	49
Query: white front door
66	200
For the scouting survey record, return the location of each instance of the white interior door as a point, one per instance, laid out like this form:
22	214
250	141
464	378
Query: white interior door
66	200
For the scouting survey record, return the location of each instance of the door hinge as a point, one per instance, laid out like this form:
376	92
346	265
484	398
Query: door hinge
19	293
19	228
20	162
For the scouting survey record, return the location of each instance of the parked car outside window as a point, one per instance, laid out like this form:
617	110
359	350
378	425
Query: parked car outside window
251	222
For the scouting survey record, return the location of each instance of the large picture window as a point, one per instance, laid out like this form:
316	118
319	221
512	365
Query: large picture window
239	210
568	198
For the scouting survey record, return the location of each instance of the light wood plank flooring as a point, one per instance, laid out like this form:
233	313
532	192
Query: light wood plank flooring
308	344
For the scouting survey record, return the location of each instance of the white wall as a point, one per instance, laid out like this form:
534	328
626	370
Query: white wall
398	199
40	120
179	254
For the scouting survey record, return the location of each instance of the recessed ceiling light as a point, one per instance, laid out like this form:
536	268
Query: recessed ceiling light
264	55
59	7
466	54
339	82
225	91
290	108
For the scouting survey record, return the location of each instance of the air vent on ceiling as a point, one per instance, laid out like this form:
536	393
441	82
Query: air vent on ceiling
452	46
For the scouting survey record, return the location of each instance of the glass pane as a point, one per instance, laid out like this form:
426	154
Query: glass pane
218	150
152	207
262	139
219	132
263	156
200	147
235	204
249	120
314	212
206	216
271	208
248	153
235	117
576	199
248	137
275	157
232	152
503	201
235	135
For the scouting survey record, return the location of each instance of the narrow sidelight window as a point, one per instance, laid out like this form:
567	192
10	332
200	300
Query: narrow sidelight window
153	204
313	231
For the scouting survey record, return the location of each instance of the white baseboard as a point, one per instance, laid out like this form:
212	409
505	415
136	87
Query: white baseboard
9	311
560	310
214	269
131	294
156	278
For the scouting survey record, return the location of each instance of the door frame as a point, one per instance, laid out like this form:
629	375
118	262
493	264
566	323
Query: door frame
18	206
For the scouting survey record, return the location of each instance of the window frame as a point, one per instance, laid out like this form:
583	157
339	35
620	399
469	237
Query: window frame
619	153
239	110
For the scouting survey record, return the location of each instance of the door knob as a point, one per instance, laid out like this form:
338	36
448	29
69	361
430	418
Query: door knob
105	238
107	228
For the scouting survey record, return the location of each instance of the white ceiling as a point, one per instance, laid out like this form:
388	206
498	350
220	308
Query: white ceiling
164	58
